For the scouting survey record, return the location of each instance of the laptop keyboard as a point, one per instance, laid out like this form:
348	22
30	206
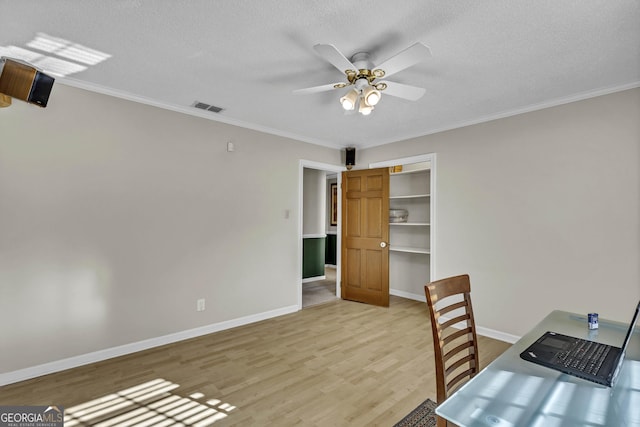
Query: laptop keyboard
586	356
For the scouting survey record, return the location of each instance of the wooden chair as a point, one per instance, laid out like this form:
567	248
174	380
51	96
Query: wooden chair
456	350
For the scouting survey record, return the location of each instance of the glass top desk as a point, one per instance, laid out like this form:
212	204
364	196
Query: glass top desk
513	392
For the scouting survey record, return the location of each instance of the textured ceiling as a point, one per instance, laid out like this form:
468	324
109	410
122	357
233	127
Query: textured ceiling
490	58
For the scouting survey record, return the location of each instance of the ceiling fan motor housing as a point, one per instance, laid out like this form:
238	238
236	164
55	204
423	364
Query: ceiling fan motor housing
361	60
361	83
363	65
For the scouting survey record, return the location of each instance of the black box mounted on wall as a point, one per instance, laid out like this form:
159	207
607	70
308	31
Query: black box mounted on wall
22	81
350	157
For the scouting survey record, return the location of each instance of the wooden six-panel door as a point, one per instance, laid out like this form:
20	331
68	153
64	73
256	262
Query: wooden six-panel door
365	236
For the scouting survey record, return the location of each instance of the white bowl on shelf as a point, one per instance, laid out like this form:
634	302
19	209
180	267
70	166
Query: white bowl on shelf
398	215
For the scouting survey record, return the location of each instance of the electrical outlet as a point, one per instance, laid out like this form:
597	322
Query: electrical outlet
200	304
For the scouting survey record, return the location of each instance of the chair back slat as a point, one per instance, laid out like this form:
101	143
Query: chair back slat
448	308
467	345
451	322
456	335
455	365
458	380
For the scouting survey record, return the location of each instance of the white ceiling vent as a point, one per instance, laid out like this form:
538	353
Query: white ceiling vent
208	107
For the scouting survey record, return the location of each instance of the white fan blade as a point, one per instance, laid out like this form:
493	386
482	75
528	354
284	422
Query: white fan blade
400	90
316	89
330	53
405	59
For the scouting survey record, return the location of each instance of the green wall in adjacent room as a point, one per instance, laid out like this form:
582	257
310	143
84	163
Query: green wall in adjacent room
313	252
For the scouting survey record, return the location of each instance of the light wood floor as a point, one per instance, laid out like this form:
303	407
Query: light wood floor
320	291
335	364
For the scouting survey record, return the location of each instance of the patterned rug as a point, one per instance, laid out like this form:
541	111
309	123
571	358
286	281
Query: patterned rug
422	416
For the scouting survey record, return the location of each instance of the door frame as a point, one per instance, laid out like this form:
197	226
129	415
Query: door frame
337	169
429	157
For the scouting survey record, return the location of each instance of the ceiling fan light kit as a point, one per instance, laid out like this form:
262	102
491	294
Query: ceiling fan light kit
371	95
365	109
349	100
364	94
361	73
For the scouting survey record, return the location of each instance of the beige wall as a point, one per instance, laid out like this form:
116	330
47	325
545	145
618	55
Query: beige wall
541	209
115	217
313	206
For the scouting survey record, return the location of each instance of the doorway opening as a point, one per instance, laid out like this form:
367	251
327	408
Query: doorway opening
320	291
319	233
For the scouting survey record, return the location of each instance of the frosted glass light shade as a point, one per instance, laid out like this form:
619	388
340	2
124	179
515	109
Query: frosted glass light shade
349	100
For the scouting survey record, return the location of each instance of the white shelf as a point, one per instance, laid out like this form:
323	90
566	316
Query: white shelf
409	250
405	172
410	196
410	256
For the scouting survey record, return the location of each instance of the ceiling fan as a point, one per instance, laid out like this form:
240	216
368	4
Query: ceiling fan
366	78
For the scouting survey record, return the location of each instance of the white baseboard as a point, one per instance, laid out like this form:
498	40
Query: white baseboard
497	335
98	356
485	332
313	279
408	295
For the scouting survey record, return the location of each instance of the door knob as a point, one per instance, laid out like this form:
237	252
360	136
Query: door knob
383	245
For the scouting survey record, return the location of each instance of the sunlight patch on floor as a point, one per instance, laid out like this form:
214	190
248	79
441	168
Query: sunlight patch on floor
153	403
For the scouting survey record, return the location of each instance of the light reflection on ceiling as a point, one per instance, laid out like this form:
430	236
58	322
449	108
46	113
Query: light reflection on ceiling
56	56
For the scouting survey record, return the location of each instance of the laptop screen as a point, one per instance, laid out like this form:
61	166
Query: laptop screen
630	331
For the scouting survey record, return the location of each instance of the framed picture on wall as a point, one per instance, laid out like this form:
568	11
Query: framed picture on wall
334	204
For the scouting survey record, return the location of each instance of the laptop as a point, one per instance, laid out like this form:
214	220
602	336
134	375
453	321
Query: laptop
589	360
